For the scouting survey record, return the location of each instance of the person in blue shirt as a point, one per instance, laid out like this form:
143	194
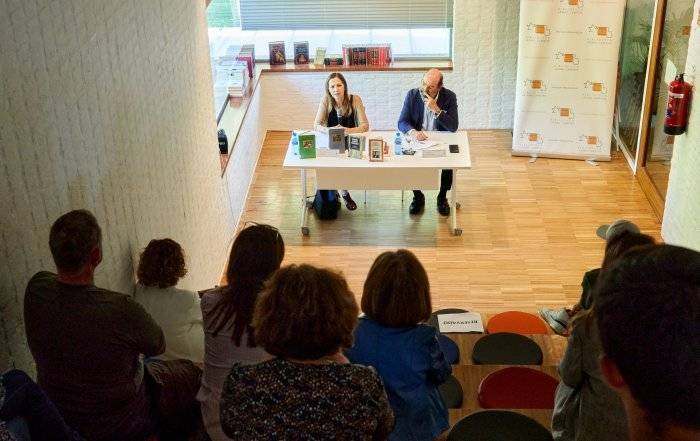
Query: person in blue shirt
430	107
392	338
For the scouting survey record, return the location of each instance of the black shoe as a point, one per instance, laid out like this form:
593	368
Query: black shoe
416	205
443	207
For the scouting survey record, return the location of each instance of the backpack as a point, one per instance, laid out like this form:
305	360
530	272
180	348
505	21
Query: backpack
326	204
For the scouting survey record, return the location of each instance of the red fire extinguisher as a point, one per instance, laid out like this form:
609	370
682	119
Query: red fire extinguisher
677	107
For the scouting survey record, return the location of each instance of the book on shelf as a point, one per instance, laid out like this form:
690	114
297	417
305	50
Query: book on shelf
277	53
301	52
333	60
367	55
320	56
247	55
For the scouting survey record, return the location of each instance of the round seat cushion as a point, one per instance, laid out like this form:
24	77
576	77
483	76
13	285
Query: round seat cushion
449	348
498	425
517	322
452	393
432	321
506	348
517	388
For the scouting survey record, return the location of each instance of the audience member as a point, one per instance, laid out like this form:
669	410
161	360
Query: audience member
22	399
86	341
560	319
255	255
586	408
305	317
177	311
647	308
392	338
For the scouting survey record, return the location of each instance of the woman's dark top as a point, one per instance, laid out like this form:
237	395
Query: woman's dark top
282	400
347	121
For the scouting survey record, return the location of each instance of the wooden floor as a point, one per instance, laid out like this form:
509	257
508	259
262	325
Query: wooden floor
529	228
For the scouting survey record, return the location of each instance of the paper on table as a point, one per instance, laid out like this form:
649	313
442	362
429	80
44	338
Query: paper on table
420	145
465	322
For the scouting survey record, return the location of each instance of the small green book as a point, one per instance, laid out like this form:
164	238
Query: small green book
307	145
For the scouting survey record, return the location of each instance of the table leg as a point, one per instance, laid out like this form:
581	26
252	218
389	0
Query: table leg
304	207
453	206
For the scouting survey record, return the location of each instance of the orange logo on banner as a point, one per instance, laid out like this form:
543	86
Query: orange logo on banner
539	29
532	137
573	2
686	30
669	140
536	84
602	30
597	87
592	140
568	58
564	111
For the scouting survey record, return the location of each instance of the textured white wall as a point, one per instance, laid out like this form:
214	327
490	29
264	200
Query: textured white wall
485	50
681	224
106	105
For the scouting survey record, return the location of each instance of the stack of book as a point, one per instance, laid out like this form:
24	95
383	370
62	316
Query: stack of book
245	53
238	79
367	55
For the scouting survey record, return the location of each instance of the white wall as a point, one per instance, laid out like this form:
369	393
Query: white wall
485	54
106	105
681	224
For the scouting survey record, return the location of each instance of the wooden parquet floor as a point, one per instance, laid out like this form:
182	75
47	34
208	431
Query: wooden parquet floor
528	227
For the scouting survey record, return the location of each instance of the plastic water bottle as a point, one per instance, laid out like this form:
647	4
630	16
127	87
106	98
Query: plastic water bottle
397	144
295	142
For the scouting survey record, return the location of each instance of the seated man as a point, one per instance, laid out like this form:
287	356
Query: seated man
648	313
430	107
86	340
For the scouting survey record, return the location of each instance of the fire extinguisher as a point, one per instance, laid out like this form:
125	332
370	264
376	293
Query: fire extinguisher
677	107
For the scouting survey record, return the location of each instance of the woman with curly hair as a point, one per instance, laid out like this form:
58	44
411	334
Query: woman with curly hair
177	311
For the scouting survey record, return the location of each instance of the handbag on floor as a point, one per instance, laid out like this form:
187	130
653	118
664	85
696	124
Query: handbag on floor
327	204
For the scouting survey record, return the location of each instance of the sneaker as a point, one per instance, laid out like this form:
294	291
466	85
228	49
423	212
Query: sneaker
557	319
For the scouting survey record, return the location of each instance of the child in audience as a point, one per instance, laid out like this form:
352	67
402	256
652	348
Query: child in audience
586	408
560	319
392	338
255	255
305	317
175	310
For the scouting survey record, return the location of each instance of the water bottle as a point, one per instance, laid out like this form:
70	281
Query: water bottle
295	142
397	144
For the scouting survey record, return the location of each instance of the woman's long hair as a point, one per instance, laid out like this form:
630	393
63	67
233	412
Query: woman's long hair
255	255
346	107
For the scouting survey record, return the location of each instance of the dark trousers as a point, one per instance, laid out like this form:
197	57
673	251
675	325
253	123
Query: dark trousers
25	399
445	184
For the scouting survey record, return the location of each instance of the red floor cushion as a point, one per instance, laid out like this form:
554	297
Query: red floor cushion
517	322
517	388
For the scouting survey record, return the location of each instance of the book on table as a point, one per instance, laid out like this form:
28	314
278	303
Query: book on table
277	53
307	145
462	323
320	56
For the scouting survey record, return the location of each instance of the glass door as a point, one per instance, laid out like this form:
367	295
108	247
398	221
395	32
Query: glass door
670	62
634	51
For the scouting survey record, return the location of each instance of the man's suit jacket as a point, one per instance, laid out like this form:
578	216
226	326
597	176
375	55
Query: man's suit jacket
413	108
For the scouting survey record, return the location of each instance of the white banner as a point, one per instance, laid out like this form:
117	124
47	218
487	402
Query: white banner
567	71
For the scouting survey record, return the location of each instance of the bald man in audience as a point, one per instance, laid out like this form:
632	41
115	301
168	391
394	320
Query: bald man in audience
430	107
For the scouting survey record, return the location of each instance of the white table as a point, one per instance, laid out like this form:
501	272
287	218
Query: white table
404	172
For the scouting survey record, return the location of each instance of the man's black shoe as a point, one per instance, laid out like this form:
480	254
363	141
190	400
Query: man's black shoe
416	206
443	207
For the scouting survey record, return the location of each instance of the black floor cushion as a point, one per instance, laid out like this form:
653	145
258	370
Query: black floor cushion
506	348
449	348
498	425
451	392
